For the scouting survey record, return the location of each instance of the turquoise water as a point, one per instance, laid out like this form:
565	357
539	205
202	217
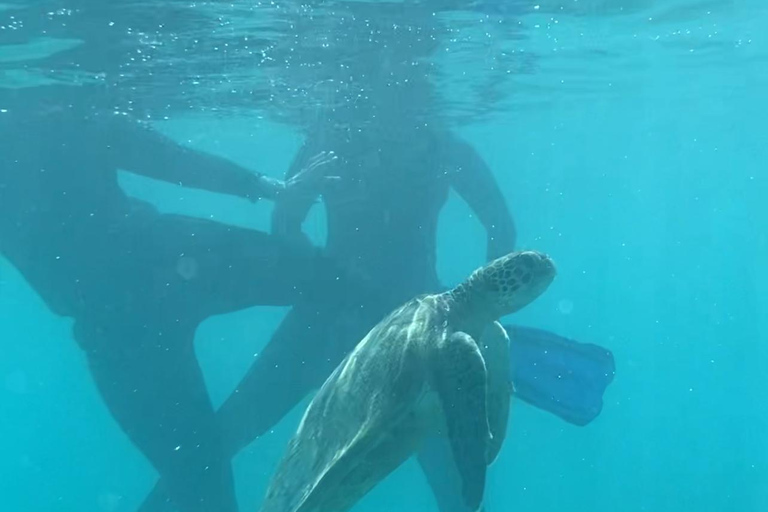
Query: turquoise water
633	153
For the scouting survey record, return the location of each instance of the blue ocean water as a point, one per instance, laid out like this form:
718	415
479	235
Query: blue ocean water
632	152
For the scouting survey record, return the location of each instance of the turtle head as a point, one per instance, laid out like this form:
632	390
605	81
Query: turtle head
506	284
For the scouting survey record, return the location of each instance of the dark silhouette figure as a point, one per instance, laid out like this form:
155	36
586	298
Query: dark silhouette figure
382	221
137	282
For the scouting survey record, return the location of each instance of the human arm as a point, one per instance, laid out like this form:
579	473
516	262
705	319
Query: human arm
139	149
474	182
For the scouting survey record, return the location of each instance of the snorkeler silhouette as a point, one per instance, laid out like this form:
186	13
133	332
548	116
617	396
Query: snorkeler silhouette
136	282
397	164
382	219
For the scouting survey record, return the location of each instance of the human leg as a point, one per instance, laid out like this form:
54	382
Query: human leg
153	386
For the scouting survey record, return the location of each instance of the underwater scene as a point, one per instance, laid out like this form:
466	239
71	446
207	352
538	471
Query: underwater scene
383	256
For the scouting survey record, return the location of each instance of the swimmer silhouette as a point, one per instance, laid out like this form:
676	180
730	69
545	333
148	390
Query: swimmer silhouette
396	169
382	220
398	162
136	282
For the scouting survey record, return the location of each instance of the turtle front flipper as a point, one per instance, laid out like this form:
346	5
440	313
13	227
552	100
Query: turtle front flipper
460	381
494	345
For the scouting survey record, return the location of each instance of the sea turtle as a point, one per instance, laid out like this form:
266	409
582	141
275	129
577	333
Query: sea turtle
439	364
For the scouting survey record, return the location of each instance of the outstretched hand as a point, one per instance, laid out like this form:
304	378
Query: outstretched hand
315	175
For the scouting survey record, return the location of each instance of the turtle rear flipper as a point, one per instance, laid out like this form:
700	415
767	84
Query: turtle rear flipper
460	382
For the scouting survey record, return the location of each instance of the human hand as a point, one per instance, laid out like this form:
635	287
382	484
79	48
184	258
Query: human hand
315	175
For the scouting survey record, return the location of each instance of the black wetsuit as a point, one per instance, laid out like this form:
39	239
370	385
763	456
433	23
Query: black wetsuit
382	221
138	283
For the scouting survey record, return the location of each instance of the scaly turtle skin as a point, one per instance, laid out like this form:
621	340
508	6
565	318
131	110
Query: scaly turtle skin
438	365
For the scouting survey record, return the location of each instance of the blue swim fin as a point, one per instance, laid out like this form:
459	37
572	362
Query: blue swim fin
559	375
553	373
